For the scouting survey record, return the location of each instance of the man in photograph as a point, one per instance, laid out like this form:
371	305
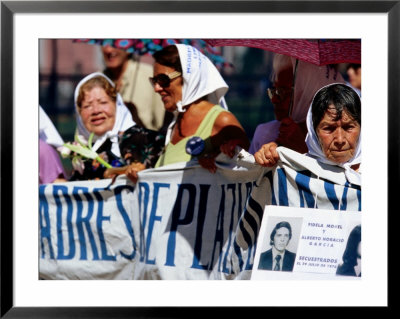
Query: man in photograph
278	258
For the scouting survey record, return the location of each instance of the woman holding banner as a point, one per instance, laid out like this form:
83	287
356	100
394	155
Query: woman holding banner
334	127
192	89
100	110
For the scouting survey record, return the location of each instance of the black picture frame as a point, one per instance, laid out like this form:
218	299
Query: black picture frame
9	8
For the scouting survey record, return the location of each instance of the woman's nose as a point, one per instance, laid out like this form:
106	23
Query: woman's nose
339	137
157	88
96	108
275	100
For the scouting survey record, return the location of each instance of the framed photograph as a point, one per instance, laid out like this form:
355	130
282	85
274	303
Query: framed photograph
25	23
311	244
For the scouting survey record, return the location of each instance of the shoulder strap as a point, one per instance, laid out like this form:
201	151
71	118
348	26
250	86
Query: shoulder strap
205	128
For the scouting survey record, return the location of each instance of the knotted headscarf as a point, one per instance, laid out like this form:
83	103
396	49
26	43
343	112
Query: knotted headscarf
123	118
200	79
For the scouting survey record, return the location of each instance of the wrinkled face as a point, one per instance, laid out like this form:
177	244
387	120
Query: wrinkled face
281	239
98	111
113	57
338	138
281	102
171	94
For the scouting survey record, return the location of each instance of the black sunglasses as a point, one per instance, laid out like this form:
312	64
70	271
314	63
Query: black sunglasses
164	80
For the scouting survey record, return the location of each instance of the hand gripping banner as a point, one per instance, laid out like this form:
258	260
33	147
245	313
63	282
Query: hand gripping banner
179	221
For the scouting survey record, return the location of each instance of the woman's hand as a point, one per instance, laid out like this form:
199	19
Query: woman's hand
130	171
207	161
228	147
133	169
267	155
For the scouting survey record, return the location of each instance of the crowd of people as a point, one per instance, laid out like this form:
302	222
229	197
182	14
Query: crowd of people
317	113
118	115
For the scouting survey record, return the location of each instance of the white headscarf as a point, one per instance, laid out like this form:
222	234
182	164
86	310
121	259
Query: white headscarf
47	130
200	78
315	150
123	118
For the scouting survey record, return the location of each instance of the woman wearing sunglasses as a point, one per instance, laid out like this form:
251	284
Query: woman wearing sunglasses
192	89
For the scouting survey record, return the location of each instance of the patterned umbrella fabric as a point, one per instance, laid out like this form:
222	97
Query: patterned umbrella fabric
149	46
316	51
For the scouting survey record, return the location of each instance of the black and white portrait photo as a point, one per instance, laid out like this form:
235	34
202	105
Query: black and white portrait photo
278	257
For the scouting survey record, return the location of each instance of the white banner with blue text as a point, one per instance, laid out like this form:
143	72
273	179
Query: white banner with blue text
179	221
86	230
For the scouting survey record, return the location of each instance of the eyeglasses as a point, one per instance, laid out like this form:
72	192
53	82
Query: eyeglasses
280	92
164	80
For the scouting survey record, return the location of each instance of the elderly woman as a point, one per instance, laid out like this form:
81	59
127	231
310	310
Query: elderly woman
191	87
100	109
334	126
119	141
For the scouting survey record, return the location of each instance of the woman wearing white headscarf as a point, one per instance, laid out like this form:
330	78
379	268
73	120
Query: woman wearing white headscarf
100	109
334	131
191	87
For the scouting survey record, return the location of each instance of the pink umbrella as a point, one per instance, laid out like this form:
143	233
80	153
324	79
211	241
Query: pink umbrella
316	51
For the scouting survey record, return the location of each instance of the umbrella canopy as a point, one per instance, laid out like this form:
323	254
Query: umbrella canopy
150	46
315	51
319	52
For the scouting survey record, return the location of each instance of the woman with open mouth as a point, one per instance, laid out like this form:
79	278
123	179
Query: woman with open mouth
100	110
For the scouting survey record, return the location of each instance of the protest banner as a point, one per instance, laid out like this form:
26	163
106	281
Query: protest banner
86	231
178	221
296	181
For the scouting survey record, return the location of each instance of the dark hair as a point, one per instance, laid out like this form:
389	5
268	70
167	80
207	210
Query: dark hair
169	56
350	253
342	97
277	226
